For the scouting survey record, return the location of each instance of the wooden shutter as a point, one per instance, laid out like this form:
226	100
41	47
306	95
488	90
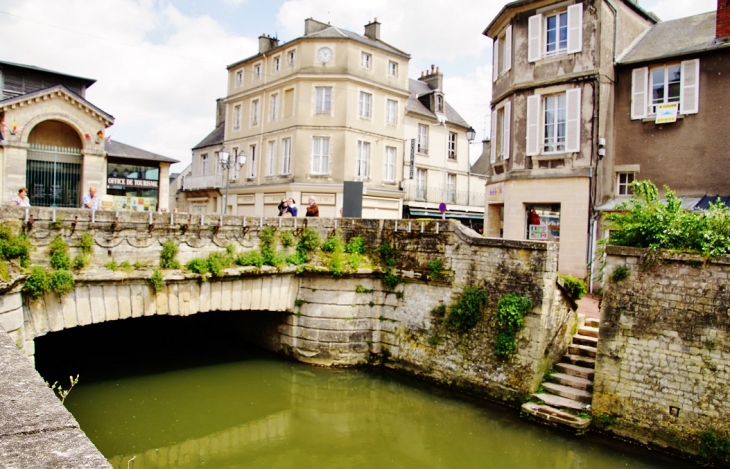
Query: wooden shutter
493	146
572	121
495	59
533	125
505	127
508	49
575	28
534	38
639	87
689	94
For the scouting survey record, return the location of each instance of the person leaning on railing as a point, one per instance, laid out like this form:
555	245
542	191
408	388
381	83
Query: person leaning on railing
21	200
90	200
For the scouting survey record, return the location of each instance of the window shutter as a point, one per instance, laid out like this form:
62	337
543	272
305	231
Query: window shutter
689	95
575	28
639	86
493	146
534	38
533	125
572	122
508	49
505	126
495	59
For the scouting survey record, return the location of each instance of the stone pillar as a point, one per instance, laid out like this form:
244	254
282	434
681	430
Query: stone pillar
163	195
15	160
93	172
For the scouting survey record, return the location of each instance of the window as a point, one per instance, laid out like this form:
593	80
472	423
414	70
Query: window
439	103
452	145
502	53
291	57
555	33
362	165
365	100
320	155
673	83
422	139
274	107
366	60
289	103
553	123
239	78
420	183
391	112
451	188
257	71
271	159
252	161
323	99
286	156
623	186
389	170
204	164
501	120
276	64
237	117
255	112
392	69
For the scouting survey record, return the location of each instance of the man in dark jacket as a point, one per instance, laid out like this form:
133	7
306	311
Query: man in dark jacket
312	209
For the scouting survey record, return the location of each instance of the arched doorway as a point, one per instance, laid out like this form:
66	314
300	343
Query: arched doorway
53	171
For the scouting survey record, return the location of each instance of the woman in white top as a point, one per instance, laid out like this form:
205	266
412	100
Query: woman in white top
21	200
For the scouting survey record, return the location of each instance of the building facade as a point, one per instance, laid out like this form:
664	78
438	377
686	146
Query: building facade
52	141
328	107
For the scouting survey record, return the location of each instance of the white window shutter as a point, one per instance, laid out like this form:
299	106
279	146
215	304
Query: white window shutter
534	38
639	87
505	126
533	125
572	122
507	49
575	28
495	60
493	146
689	94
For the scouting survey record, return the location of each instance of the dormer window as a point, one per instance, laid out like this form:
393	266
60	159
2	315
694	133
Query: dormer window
291	57
257	71
276	64
239	78
440	103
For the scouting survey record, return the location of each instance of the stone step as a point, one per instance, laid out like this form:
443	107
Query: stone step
585	340
554	417
579	360
573	381
576	370
561	402
568	392
583	350
588	331
593	322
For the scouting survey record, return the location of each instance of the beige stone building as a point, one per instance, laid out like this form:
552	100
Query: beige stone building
52	141
328	107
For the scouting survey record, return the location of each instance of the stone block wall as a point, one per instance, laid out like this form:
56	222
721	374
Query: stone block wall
663	363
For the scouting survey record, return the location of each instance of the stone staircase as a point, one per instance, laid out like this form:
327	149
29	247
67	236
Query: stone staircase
569	391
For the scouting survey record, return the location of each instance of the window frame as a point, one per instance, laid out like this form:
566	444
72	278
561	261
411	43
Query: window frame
624	188
238	78
276	64
536	124
365	106
392	68
204	164
323	157
291	57
237	117
252	161
558	29
558	146
451	188
422	140
257	70
270	169
453	139
255	112
421	183
362	160
325	100
366	60
537	32
286	146
391	112
502	53
389	160
274	103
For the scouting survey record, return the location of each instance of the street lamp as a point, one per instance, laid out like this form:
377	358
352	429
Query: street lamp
471	134
224	159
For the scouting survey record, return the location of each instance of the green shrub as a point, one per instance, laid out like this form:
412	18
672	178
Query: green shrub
434	269
86	243
247	258
309	241
287	239
299	302
466	311
505	344
387	251
390	280
333	242
715	446
274	258
112	265
126	266
267	235
168	256
157	280
58	249
231	251
37	283
439	311
361	289
80	261
509	319
356	245
621	272
62	282
14	246
141	265
218	262
297	258
576	287
4	272
198	266
354	260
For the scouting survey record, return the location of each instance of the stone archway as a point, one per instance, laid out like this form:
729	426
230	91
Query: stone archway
53	169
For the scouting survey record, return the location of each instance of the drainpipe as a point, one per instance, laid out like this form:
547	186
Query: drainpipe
615	28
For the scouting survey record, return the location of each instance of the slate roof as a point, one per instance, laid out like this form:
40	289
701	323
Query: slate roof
418	89
53	89
88	81
122	150
481	165
676	38
213	138
334	32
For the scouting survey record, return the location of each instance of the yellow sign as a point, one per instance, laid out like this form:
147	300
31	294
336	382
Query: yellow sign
666	113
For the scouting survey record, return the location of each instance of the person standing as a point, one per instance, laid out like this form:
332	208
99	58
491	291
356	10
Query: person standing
90	200
293	209
283	207
21	200
312	208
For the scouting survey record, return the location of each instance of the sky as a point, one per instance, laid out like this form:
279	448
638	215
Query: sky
161	64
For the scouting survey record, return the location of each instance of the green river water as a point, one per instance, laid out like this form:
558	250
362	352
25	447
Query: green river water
198	400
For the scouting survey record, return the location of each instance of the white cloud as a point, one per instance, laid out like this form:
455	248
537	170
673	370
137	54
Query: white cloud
673	9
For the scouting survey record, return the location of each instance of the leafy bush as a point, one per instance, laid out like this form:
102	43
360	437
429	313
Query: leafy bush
58	249
434	269
439	311
505	344
333	242
337	261
198	266
126	266
141	264
14	246
715	446
621	272
37	283
576	287
86	243
387	251
309	241
157	281
62	282
112	265
356	245
647	222
168	256
361	289
287	239
297	258
81	261
267	235
510	318
466	311
247	258
390	280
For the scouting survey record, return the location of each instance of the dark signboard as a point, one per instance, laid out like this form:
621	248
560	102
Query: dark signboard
132	183
413	156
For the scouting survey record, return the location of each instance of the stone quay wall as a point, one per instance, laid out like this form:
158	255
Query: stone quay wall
663	363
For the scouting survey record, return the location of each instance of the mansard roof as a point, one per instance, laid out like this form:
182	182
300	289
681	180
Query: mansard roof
214	138
414	105
56	92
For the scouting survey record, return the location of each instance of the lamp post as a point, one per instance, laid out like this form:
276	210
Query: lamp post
471	134
224	159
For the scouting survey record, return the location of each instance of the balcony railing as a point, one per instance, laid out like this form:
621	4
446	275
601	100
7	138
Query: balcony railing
208	181
441	194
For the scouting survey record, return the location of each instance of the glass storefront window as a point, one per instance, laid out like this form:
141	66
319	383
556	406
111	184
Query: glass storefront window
543	222
132	186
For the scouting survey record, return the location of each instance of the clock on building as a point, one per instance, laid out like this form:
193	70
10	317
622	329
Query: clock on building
324	54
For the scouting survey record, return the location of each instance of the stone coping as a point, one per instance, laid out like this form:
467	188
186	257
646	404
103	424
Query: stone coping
626	251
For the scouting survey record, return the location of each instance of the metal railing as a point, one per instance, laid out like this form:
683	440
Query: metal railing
208	181
442	194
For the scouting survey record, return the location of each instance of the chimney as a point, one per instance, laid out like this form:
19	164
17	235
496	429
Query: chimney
722	24
220	111
312	26
433	78
266	43
372	30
